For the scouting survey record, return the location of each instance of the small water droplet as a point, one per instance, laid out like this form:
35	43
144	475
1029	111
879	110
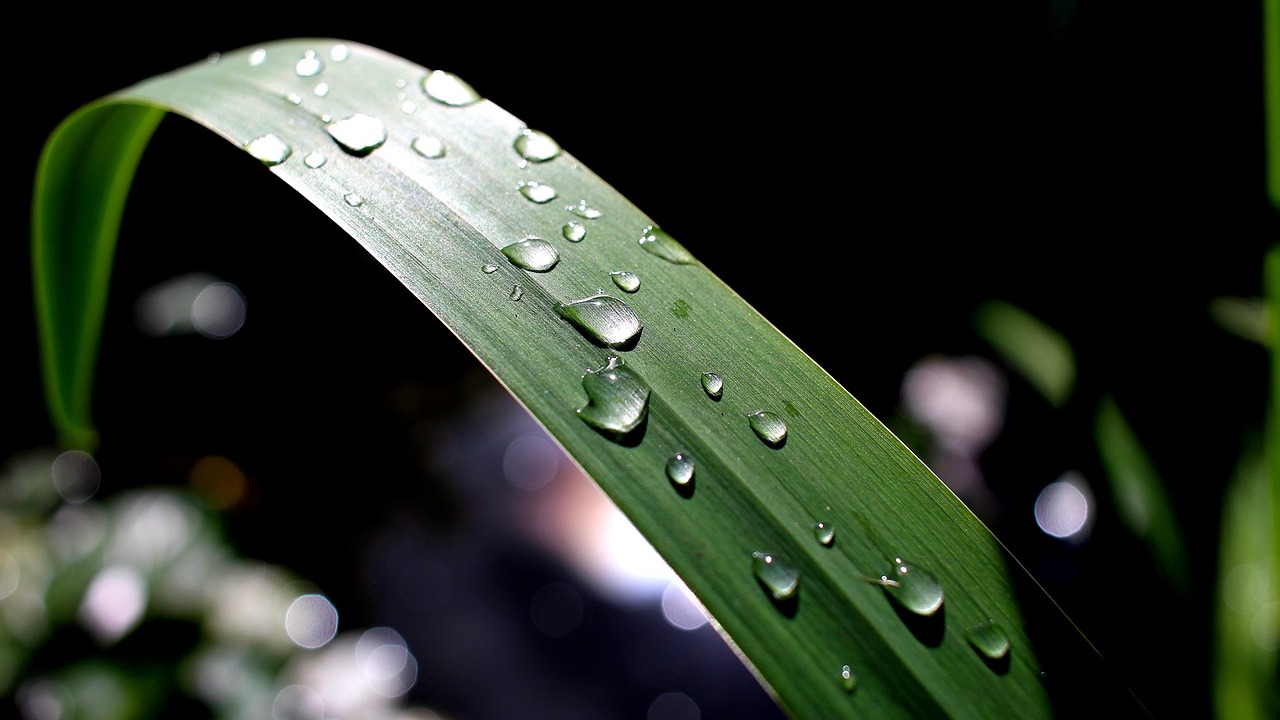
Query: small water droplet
848	680
257	57
489	269
824	532
214	57
516	293
408	108
680	469
353	199
582	210
533	254
769	427
536	146
605	318
339	53
781	580
293	98
449	89
574	231
913	587
359	134
626	281
989	639
712	385
321	89
309	65
657	242
617	399
315	159
538	192
270	149
428	147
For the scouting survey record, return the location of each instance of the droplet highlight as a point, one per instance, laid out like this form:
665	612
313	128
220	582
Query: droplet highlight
257	57
848	680
769	427
990	639
680	469
517	292
269	149
449	89
359	134
617	399
712	385
824	532
315	159
913	587
310	65
489	269
659	243
537	192
533	254
574	231
353	199
604	318
780	579
583	210
625	280
428	147
536	146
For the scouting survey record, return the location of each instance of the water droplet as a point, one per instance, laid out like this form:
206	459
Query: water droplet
680	469
489	269
315	159
659	243
617	399
428	147
626	281
534	254
321	89
407	107
449	89
913	587
516	293
339	53
712	385
609	320
583	211
270	149
293	98
769	427
538	192
309	65
989	639
359	134
257	57
781	580
353	199
535	146
574	231
824	532
848	680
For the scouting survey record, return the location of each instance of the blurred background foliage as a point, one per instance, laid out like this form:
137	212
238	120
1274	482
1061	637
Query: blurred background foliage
1030	237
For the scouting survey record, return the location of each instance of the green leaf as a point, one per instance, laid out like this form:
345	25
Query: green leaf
1040	353
617	381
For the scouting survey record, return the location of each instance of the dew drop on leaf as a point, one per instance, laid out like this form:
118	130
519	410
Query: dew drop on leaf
536	146
533	254
516	293
309	65
449	89
605	318
712	385
848	680
359	134
583	210
660	244
680	469
315	159
769	427
538	192
913	587
617	399
257	57
339	53
428	147
781	580
574	231
824	532
989	639
270	149
625	280
353	199
321	89
489	269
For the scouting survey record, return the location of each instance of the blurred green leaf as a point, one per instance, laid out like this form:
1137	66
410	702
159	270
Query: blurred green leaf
1038	352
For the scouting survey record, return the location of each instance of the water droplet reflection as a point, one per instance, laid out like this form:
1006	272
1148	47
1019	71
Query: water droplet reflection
428	147
848	680
625	280
536	146
824	532
780	579
617	399
989	639
269	149
605	318
359	134
449	89
537	192
680	469
315	159
532	254
659	243
913	587
712	385
582	210
769	427
574	231
309	65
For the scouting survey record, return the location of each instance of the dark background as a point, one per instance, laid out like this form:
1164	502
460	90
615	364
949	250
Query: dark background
864	178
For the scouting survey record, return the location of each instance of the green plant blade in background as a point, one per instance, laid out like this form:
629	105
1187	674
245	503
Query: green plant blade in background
481	216
1038	352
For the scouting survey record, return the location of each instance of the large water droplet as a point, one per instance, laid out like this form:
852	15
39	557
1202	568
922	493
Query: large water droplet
534	254
657	242
913	587
449	89
617	399
535	146
315	159
270	149
428	147
538	192
680	469
359	134
848	680
625	280
989	639
824	532
309	65
574	231
712	385
769	427
582	210
605	318
781	580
